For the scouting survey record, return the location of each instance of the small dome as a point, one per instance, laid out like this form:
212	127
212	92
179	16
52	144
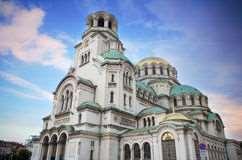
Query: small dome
176	117
147	88
151	110
183	89
114	55
152	60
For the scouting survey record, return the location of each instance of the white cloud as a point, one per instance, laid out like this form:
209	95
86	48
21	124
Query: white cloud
20	36
35	92
230	112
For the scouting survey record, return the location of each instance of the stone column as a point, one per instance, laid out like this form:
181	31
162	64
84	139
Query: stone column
50	148
190	145
141	153
106	23
57	154
181	152
94	22
132	153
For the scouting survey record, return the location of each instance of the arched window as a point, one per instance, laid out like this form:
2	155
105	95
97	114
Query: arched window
85	58
130	101
110	24
126	77
112	78
111	96
175	102
80	118
153	69
124	99
200	100
101	22
168	146
206	100
192	100
168	72
183	101
88	56
161	70
53	146
136	152
71	98
138	72
67	99
218	126
130	80
149	122
153	121
146	151
127	152
144	121
146	70
62	102
45	146
62	143
82	59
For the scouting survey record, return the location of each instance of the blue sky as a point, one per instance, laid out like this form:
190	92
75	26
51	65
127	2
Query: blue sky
202	39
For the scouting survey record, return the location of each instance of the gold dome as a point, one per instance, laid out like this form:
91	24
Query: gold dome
176	117
152	60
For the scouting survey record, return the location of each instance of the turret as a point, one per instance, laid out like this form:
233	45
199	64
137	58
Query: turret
101	21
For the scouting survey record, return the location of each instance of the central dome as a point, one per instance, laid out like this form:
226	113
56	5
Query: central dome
152	60
153	68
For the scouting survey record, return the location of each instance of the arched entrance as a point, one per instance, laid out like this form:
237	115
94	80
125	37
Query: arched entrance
53	147
45	146
62	146
168	146
127	152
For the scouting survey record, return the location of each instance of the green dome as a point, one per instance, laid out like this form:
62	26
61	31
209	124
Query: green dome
145	87
114	55
183	89
151	110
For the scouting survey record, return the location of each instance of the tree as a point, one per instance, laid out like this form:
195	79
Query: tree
23	154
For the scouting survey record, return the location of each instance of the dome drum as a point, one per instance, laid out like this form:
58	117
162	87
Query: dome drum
187	96
154	67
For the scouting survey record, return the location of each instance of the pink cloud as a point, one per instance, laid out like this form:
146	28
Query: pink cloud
20	36
230	112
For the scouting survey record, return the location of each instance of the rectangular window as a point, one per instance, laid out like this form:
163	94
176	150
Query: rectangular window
124	99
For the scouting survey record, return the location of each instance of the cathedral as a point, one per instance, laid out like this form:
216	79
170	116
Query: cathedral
107	108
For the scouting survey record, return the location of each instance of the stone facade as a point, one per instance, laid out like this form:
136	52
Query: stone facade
107	108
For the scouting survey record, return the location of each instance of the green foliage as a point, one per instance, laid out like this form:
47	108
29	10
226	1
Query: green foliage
23	154
20	154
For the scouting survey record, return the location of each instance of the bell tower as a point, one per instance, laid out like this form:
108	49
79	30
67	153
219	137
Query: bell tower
99	37
102	21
